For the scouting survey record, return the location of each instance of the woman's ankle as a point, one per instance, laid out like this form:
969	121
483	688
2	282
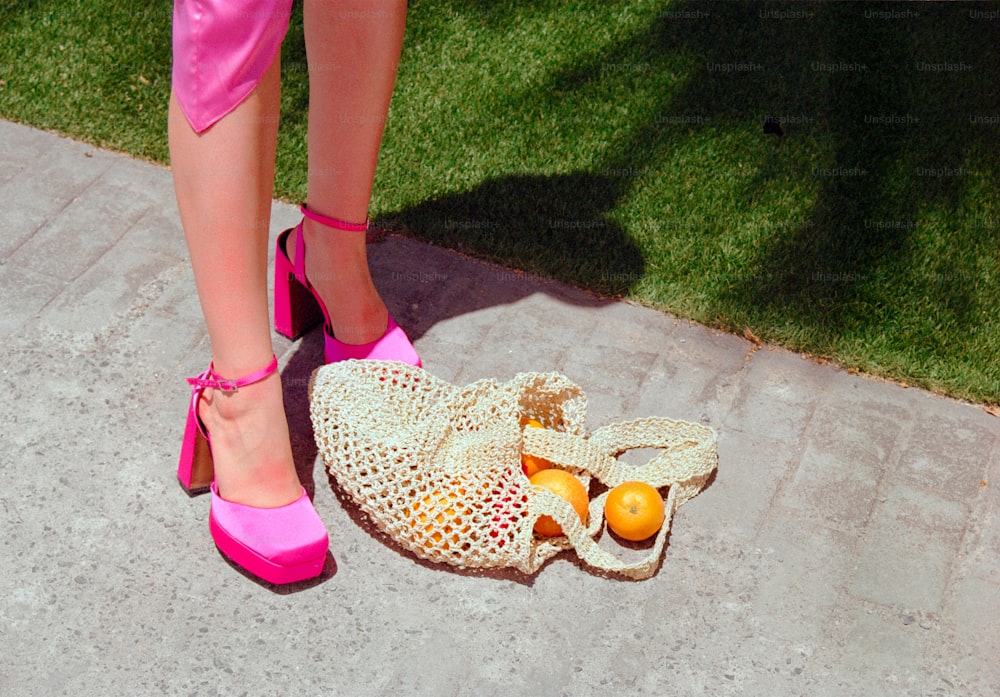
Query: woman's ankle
250	444
337	268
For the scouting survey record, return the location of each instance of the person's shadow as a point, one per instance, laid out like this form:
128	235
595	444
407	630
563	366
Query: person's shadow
548	226
836	80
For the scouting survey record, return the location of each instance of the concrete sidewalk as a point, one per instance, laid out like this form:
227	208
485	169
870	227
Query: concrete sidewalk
849	544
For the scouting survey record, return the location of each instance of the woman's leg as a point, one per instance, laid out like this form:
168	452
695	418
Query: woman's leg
223	180
353	47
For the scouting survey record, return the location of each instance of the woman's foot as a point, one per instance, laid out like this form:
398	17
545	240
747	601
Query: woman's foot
337	268
251	450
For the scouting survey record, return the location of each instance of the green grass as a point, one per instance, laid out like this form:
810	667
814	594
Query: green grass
619	146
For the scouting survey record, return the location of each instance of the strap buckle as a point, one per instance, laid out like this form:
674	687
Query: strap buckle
225	384
212	380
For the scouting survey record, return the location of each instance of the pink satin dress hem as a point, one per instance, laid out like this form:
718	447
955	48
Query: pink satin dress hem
222	48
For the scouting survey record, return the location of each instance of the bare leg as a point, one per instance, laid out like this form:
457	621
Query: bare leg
353	48
223	180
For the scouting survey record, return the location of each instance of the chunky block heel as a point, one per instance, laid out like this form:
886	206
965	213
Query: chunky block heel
296	309
195	469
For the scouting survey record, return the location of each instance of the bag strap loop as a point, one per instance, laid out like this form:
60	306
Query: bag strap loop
687	458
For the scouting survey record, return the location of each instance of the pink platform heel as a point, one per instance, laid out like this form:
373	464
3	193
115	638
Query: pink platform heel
280	545
298	308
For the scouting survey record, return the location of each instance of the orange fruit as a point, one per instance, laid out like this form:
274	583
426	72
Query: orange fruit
532	465
529	463
565	485
634	511
444	510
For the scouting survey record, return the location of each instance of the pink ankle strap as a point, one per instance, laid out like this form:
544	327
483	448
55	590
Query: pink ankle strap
211	379
334	222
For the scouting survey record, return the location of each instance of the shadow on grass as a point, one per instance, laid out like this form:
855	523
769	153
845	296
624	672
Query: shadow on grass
888	95
899	89
554	225
892	93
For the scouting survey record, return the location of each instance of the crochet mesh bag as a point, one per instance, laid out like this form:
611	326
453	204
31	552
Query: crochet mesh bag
438	467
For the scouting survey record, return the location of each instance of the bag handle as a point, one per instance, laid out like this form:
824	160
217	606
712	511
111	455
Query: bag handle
689	452
686	461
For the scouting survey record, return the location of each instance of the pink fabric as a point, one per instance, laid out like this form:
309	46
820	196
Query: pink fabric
222	48
289	535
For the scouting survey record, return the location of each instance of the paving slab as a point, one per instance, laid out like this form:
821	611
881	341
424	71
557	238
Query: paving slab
847	544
